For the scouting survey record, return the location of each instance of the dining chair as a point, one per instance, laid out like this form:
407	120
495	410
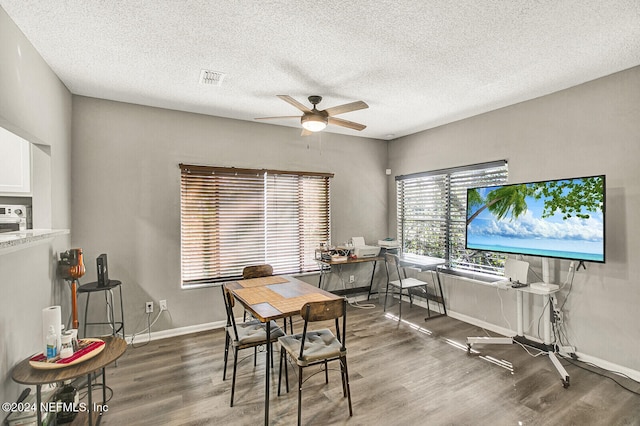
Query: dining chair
392	263
243	335
259	271
314	347
256	271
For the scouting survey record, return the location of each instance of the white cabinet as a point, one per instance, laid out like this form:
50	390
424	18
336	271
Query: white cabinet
15	164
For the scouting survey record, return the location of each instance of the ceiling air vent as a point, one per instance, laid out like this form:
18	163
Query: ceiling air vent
212	78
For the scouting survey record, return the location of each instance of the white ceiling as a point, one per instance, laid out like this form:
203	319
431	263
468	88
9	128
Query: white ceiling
418	64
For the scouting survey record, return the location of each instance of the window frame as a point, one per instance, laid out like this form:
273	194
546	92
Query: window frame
212	199
431	215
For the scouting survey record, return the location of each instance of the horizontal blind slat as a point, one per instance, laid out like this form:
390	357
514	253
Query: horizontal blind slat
431	210
231	220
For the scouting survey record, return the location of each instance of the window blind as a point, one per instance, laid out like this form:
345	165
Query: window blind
432	211
232	218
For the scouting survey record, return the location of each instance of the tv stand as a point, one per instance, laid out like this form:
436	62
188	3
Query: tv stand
542	289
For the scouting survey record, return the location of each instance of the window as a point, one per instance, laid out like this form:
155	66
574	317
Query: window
232	218
432	209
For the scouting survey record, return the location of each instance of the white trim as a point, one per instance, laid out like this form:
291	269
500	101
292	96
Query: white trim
418	300
482	324
173	332
606	365
614	368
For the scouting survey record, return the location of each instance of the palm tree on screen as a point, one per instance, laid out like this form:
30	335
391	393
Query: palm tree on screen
572	197
500	202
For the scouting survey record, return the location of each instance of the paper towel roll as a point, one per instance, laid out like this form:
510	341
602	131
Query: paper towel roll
51	316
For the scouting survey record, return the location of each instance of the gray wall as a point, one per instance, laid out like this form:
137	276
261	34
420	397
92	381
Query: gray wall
590	129
126	194
35	105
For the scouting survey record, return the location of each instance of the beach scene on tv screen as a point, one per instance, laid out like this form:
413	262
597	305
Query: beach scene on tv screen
562	218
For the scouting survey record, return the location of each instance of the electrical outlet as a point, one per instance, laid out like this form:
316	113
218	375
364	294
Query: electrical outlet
148	307
163	305
558	317
351	278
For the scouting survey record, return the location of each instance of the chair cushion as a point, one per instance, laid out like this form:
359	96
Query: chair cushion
253	332
408	283
318	345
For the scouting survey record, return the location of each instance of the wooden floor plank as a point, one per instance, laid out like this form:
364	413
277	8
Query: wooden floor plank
411	372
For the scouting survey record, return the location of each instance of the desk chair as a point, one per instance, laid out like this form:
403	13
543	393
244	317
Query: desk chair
318	346
247	334
393	263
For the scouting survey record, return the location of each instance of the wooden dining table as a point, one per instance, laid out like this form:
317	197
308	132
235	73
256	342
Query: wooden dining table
271	298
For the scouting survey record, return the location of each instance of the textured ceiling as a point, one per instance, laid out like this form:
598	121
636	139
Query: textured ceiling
418	64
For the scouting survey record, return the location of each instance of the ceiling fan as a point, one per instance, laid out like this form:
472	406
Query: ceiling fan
315	120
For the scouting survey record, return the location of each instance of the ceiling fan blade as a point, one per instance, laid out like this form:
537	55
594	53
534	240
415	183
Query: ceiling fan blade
306	132
341	109
295	103
276	118
346	123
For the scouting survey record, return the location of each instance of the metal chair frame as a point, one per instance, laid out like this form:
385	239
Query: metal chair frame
312	312
402	284
231	338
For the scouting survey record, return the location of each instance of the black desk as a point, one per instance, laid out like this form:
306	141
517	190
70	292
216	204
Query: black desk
326	267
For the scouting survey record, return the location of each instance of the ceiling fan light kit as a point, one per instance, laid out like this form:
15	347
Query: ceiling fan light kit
314	120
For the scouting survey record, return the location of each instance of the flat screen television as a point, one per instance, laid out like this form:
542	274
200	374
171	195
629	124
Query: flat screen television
561	218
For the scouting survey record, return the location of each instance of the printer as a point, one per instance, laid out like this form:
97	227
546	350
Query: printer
388	243
361	250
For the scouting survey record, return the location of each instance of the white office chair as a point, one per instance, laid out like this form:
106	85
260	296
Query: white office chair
402	283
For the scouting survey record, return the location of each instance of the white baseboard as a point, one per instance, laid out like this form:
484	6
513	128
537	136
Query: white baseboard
417	300
615	368
487	326
606	365
181	331
173	332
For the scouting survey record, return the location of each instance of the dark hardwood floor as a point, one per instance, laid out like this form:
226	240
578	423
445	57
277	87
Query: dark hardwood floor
408	373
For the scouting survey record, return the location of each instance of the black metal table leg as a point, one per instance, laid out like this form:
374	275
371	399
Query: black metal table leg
268	378
39	402
444	306
89	399
373	273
